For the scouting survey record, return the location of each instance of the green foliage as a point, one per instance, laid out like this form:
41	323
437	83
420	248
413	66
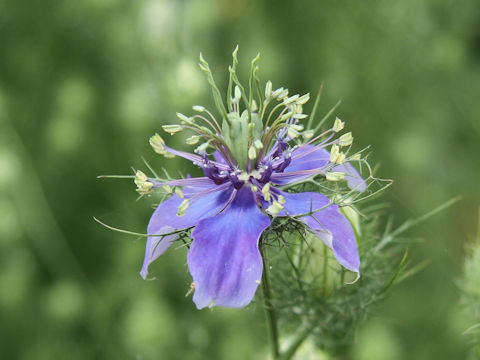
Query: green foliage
470	287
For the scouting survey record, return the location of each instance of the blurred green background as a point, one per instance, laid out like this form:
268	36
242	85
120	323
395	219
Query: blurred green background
83	84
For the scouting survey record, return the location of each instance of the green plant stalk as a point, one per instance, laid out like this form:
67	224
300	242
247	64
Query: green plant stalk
270	313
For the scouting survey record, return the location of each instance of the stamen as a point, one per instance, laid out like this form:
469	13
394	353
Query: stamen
144	186
338	125
182	208
172	129
345	139
335	176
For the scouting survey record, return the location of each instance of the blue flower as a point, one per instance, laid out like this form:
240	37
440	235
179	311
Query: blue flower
249	162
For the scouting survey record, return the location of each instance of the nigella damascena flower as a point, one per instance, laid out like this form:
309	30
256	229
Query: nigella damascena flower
250	160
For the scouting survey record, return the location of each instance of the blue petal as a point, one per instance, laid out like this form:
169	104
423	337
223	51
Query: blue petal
317	159
224	259
328	224
165	220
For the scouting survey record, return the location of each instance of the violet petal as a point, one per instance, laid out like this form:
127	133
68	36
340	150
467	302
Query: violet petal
328	224
224	259
165	220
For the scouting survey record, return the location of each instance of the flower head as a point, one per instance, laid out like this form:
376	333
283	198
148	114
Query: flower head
249	159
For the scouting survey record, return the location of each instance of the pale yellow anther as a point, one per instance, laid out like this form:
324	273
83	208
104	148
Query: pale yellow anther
258	144
202	147
340	158
356	156
268	90
334	176
183	207
157	144
184	118
252	153
307	134
144	186
253	188
244	176
256	174
292	132
254	107
167	188
281	199
299	116
297	127
287	116
172	129
280	93
291	99
338	125
303	99
334	152
238	93
275	208
266	192
198	108
345	139
192	140
179	193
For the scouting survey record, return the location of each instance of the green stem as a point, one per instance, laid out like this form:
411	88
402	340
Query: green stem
270	313
302	336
